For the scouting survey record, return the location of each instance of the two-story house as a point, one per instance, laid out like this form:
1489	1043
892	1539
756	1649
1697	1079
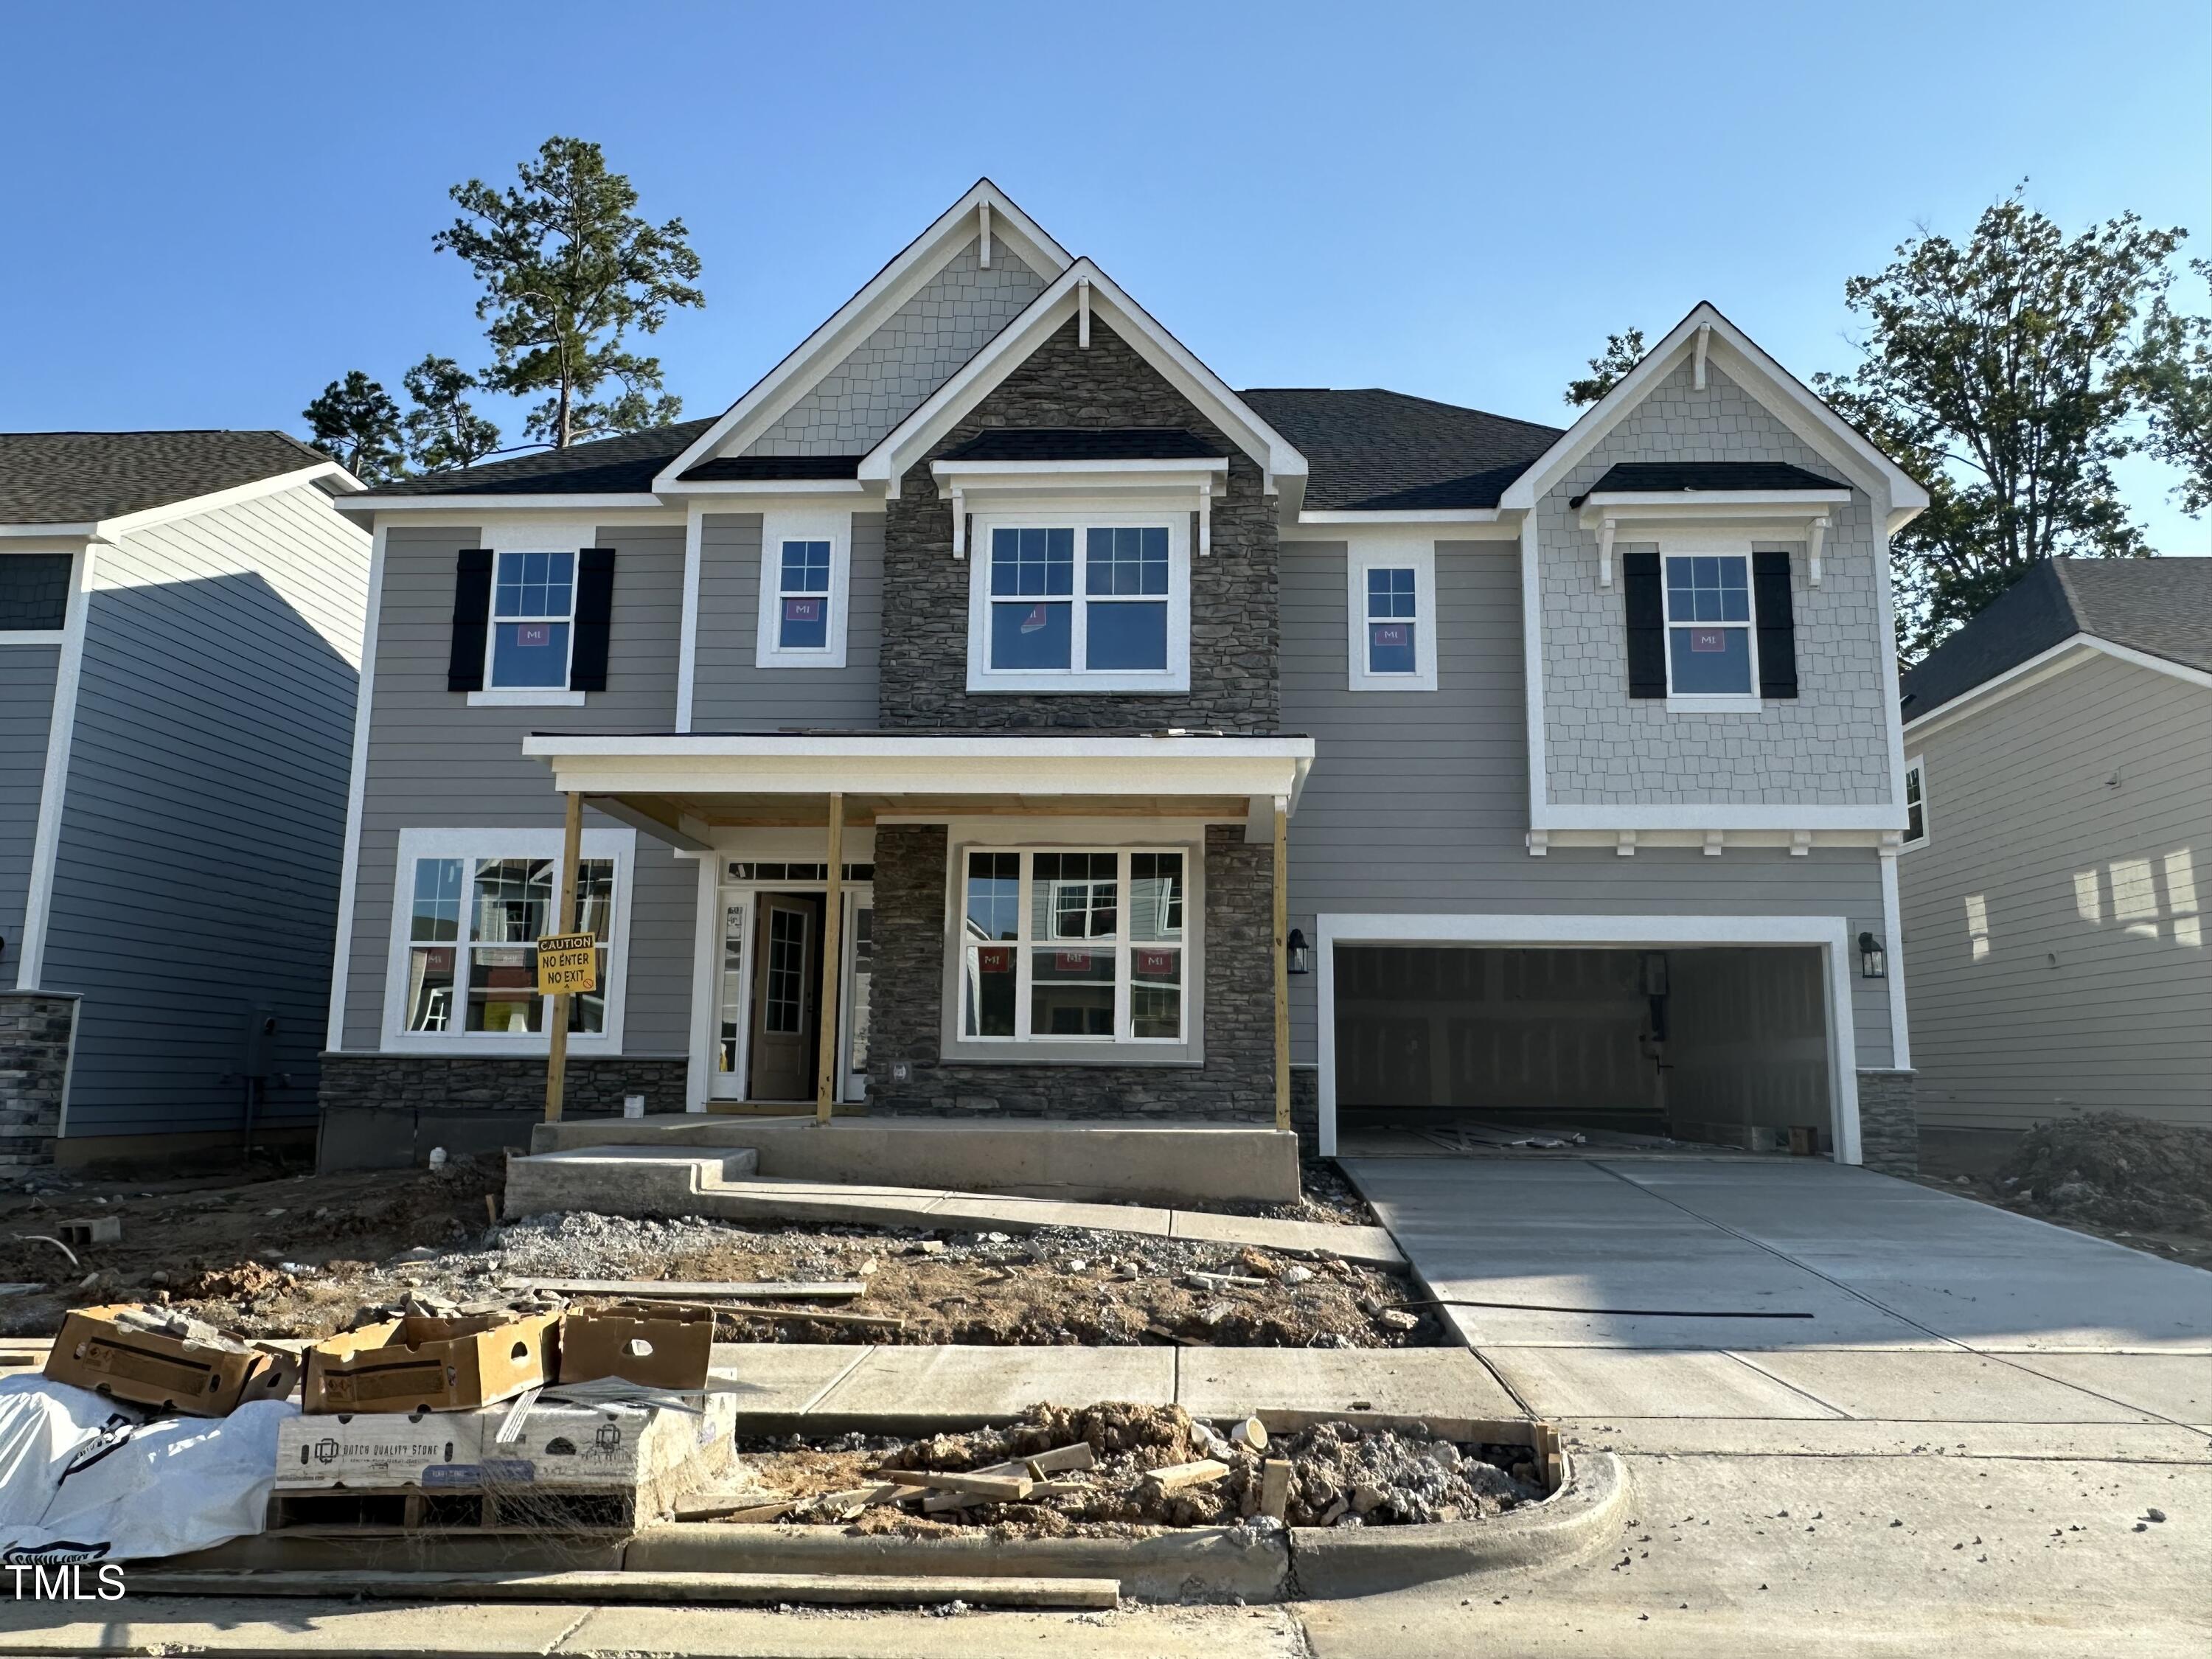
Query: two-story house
1178	754
180	620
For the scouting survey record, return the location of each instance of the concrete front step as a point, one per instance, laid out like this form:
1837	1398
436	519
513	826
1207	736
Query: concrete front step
664	1181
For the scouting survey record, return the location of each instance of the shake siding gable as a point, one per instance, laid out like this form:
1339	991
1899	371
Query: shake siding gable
2073	821
434	761
1418	801
197	867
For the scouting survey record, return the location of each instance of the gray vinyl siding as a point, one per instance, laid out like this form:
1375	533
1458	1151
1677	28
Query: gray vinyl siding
728	689
26	708
1418	800
434	761
2103	774
203	823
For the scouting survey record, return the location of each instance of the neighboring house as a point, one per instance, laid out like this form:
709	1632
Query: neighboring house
2059	749
180	618
1585	744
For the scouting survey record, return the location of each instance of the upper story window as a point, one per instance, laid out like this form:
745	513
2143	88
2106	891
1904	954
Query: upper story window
532	617
1915	803
1088	602
1709	648
472	907
1080	946
35	589
1391	591
805	588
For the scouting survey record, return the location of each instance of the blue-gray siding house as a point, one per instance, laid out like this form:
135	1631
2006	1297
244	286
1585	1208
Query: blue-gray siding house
181	619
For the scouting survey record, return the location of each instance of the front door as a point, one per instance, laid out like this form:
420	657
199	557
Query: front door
787	967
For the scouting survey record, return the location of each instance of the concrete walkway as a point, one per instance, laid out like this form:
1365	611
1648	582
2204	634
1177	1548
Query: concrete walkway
653	1181
827	1388
1925	1308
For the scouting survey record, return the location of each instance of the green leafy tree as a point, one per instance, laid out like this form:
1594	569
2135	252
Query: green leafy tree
570	272
2174	371
356	424
2002	374
444	430
1622	353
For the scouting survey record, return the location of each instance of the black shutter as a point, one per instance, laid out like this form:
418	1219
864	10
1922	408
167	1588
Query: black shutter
1647	624
595	606
464	668
1778	624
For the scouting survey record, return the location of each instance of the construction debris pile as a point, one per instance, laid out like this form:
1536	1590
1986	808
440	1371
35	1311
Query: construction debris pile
2111	1171
1114	1468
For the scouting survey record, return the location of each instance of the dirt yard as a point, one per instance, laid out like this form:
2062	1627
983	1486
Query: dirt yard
303	1256
2128	1178
1339	1475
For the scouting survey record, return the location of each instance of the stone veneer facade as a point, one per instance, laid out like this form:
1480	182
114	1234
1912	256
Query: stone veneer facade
1234	1085
1234	635
1889	1123
36	1031
476	1083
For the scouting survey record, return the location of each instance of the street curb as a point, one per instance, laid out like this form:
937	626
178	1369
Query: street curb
1328	1563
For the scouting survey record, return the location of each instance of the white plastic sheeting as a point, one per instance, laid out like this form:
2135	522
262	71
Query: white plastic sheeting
83	1478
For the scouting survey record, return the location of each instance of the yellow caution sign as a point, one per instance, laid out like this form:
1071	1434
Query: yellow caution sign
568	964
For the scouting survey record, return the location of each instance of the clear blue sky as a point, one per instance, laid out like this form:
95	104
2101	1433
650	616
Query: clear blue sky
213	210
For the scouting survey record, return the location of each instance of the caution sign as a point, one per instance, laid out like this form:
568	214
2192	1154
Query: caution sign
568	963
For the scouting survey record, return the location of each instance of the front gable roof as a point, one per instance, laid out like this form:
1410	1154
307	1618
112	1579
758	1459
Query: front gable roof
853	322
1705	331
1083	286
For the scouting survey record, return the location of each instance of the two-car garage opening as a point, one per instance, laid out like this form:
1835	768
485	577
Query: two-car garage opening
1730	1045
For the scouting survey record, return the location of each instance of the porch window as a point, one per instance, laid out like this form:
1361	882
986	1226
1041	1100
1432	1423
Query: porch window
1082	946
471	915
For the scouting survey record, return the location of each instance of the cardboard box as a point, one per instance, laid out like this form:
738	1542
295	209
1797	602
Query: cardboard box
430	1449
656	1448
96	1351
421	1364
656	1346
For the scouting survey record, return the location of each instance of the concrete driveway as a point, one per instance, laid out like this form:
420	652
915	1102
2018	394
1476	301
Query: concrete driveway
1923	1308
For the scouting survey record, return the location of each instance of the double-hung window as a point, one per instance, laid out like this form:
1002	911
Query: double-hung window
1391	594
1077	947
1391	620
1710	647
533	615
805	588
1915	803
1093	602
473	905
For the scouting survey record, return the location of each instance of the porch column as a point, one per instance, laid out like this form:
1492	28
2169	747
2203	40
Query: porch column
832	955
557	1048
1282	964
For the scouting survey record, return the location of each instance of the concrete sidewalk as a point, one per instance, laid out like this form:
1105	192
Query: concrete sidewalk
659	1180
827	1388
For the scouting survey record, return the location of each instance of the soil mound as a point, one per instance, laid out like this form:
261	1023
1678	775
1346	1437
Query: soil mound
2113	1171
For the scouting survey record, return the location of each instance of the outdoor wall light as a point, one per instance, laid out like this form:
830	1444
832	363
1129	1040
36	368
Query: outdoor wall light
1874	961
1295	947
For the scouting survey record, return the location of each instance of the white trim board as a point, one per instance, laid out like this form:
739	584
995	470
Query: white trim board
356	794
2074	650
1831	933
53	783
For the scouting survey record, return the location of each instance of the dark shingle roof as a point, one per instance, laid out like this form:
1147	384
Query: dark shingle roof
77	477
1114	443
606	466
1654	477
728	467
1375	452
2161	606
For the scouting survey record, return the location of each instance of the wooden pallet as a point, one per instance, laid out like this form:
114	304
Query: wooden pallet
371	1510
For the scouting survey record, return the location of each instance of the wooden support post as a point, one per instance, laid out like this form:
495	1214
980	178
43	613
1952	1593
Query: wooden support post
1282	964
564	920
833	958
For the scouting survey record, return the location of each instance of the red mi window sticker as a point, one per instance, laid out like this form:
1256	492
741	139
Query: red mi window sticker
1709	639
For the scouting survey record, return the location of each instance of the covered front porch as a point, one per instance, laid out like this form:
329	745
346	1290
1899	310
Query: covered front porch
1083	927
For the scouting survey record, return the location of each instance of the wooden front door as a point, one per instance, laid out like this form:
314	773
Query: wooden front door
786	970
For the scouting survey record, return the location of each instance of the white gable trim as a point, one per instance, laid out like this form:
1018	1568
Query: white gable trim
2069	652
1084	284
1706	335
858	316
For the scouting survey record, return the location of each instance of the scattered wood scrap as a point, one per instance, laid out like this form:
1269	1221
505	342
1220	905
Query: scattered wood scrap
1204	1472
998	1488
